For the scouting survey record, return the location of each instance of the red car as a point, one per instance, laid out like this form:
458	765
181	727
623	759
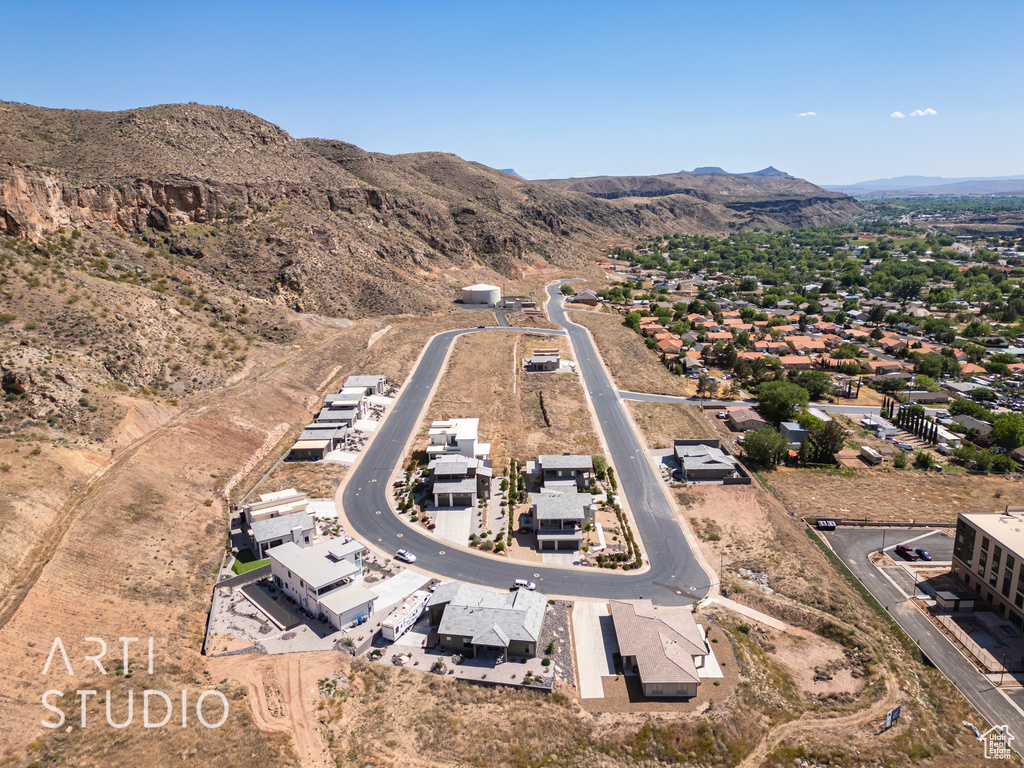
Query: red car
906	552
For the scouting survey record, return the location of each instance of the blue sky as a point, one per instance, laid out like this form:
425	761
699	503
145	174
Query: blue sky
562	89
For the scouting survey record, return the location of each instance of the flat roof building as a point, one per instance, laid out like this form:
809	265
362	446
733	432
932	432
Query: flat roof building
988	559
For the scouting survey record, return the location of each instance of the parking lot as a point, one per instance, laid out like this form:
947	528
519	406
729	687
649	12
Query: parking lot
894	581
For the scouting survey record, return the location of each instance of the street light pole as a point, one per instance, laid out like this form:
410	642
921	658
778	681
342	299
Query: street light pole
882	550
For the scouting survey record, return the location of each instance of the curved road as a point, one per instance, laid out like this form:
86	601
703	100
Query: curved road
674	576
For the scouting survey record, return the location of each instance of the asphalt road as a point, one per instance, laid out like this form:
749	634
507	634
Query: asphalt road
674	576
852	410
853	547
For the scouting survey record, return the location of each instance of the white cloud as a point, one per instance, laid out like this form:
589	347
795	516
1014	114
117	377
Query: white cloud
897	115
808	114
929	112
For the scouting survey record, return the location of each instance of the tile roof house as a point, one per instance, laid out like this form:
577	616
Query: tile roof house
473	621
665	645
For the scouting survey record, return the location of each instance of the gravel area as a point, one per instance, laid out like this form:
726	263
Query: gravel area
556	631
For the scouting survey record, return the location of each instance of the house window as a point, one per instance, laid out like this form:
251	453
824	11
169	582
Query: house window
656	689
680	689
529	649
984	543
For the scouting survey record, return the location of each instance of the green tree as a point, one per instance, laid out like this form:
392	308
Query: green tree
567	290
765	446
923	460
983	393
926	383
828	438
780	401
899	461
817	383
1008	431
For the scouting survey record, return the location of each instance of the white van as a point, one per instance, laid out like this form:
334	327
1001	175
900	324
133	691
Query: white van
523	584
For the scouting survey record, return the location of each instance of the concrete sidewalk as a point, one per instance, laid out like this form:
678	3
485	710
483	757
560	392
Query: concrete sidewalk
750	613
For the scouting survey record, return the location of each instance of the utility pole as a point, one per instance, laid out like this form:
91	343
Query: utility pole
882	550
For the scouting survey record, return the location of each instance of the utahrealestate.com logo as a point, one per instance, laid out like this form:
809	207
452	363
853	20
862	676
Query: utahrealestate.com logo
997	743
164	706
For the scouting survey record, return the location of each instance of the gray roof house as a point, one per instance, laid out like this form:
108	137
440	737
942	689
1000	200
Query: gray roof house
296	527
472	620
704	460
325	579
459	480
558	519
564	467
374	385
665	645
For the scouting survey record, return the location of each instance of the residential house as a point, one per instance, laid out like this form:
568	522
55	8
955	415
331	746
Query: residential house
559	469
271	532
744	419
276	504
793	433
543	360
373	384
325	579
344	408
969	422
586	297
703	460
459	480
457	436
664	645
474	621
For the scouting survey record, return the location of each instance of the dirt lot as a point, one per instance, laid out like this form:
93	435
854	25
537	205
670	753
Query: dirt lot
318	479
662	423
522	414
633	367
890	494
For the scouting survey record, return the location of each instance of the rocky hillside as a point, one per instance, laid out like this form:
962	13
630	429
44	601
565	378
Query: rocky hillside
322	226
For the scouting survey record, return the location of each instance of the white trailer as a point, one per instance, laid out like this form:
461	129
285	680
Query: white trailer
404	616
870	455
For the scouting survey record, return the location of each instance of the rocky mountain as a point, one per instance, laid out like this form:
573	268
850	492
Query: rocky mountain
323	226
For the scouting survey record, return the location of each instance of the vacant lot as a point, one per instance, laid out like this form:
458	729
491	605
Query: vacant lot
521	414
633	366
891	494
662	423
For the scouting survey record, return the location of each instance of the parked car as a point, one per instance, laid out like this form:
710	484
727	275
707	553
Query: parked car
923	554
523	584
723	414
906	552
405	556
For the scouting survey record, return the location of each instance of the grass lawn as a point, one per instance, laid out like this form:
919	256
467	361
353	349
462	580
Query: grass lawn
246	561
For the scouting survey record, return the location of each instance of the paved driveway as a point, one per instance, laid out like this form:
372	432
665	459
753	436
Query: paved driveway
454	525
594	635
394	590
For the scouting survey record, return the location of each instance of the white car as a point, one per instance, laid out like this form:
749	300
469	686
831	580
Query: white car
523	584
405	556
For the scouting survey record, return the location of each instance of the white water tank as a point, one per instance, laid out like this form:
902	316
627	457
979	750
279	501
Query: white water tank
481	294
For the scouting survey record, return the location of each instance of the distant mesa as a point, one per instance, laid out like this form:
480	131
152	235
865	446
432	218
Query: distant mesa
511	172
770	171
